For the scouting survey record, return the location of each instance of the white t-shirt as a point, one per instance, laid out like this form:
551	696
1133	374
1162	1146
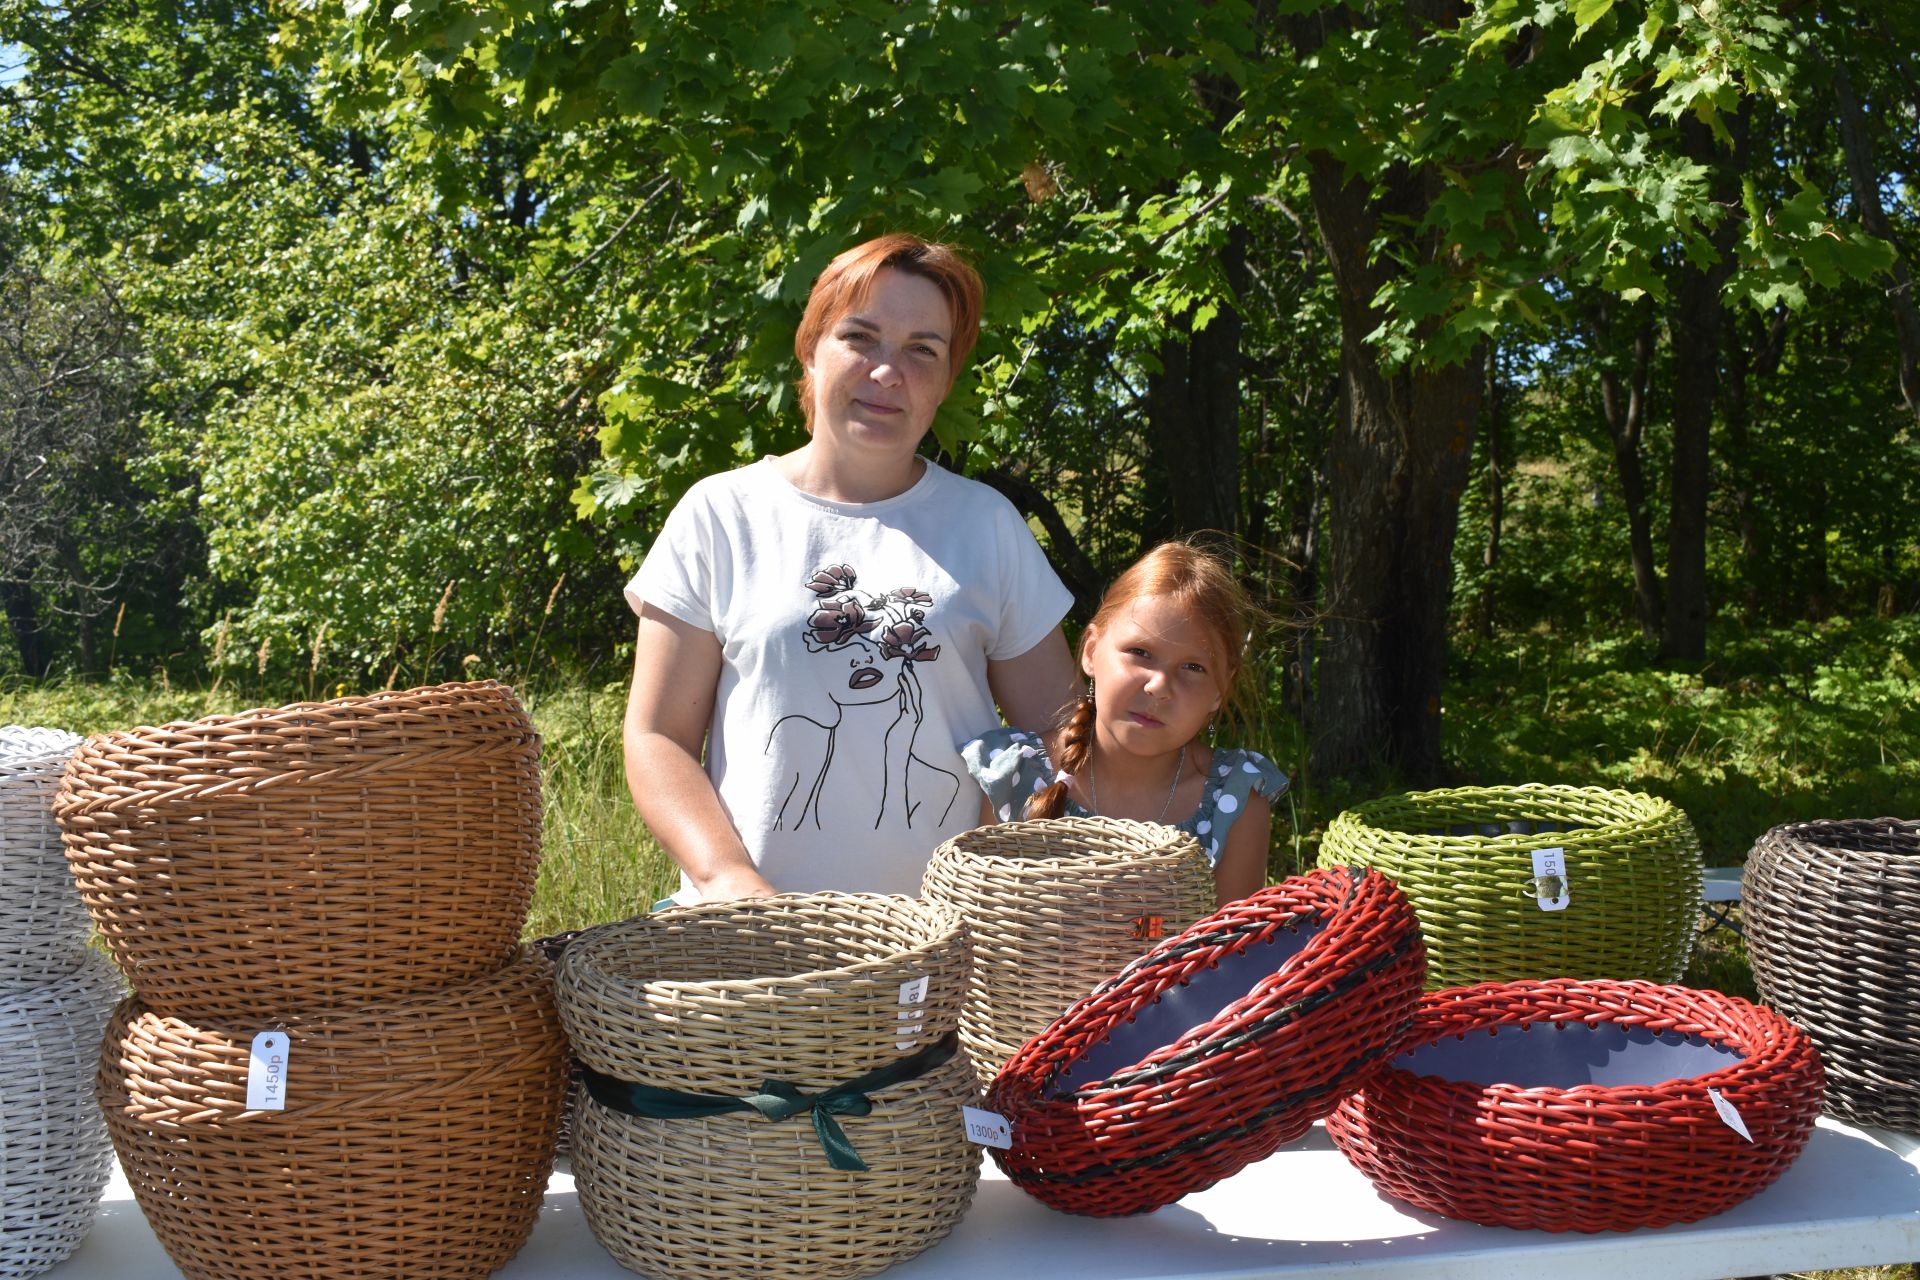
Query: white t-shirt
855	639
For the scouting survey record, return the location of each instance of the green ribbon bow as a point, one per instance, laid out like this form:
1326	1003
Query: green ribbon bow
777	1099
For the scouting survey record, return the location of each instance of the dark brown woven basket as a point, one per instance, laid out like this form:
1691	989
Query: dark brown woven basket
322	855
416	1140
1829	909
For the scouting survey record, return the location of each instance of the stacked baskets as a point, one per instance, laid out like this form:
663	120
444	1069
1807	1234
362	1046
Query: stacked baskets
1829	909
773	1087
337	1061
55	993
1056	907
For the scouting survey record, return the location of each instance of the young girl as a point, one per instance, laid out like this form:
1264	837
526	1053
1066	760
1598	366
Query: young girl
1161	657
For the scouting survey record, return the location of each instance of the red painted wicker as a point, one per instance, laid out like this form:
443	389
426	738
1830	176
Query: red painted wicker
1214	1048
1551	1153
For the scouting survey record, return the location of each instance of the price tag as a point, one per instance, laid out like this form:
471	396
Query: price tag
913	991
987	1129
1729	1114
267	1072
1550	887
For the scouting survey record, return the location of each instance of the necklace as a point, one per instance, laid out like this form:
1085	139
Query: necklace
1179	765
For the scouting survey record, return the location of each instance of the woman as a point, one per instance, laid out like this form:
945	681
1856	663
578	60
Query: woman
834	621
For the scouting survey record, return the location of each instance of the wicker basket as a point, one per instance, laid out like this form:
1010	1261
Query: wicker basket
727	1000
1584	1106
416	1140
1057	906
54	1156
1214	1048
321	856
1624	907
1829	910
42	920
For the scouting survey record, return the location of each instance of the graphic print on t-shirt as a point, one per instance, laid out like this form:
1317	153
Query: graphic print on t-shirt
861	742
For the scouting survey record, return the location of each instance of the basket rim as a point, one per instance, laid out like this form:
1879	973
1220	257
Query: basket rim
1654	811
1804	838
581	952
1755	1060
963	846
1231	1021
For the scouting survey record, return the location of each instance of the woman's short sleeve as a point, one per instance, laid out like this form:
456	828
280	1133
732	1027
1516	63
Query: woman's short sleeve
1010	765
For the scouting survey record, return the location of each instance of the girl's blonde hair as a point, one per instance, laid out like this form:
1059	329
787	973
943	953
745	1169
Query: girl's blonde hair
1198	581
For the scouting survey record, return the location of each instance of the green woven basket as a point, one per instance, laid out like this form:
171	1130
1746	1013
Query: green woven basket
1622	906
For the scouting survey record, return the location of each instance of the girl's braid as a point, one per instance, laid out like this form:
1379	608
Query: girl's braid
1076	744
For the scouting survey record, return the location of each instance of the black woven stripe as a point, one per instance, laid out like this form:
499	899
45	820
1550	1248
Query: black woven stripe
1201	1141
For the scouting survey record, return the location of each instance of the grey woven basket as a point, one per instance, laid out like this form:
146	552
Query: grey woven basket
54	1156
1829	911
42	920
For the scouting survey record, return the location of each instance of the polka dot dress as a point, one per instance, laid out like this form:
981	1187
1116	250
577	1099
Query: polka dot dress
1012	764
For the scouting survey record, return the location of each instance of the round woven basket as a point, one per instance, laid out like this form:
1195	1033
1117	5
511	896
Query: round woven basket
1056	906
42	920
1627	899
1584	1106
1829	910
416	1139
1214	1048
54	1156
796	993
319	856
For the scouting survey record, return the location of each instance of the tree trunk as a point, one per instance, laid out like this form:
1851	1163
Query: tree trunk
1865	180
1626	419
1193	412
23	619
1398	464
1695	324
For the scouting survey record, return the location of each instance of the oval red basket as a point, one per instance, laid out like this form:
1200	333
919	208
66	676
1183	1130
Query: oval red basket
1584	1106
1214	1048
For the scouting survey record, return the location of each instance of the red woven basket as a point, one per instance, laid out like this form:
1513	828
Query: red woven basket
1584	1106
1214	1048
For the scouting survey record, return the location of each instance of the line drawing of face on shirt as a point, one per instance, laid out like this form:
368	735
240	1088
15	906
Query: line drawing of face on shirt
861	743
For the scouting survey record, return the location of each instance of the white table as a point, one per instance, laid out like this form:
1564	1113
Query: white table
1853	1198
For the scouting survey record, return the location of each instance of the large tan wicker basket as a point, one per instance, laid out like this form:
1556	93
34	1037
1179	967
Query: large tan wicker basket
1627	900
416	1140
42	921
1057	906
322	855
727	1000
54	1155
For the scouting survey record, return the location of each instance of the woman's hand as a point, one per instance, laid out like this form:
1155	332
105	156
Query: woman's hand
733	884
676	675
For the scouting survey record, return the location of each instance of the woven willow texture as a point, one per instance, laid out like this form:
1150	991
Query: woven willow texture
416	1140
1465	858
812	989
1829	909
54	1155
322	855
1296	1032
1587	1157
42	920
1057	906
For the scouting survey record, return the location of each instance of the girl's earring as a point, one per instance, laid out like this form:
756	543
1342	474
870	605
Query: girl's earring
1088	695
